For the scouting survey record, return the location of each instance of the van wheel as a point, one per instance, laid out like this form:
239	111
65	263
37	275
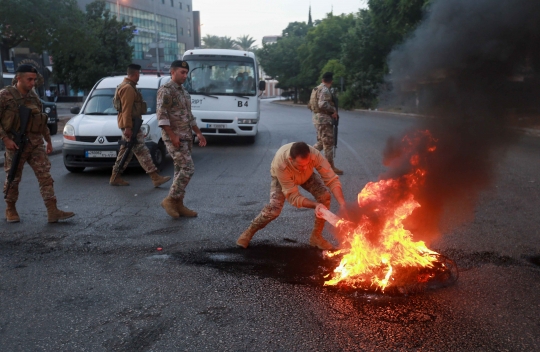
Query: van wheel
158	155
75	169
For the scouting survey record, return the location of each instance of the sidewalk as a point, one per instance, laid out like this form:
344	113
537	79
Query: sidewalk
533	130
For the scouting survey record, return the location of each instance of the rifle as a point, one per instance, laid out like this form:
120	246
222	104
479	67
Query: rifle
335	123
137	123
20	140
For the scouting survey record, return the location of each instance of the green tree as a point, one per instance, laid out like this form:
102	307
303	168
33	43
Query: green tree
366	46
37	23
336	67
245	42
226	43
210	41
99	47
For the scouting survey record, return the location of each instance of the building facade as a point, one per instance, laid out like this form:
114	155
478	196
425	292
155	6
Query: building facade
155	45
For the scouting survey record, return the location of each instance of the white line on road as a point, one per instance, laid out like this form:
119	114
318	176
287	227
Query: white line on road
361	160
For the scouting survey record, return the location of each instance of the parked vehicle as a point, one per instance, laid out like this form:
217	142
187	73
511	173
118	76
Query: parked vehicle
91	137
225	92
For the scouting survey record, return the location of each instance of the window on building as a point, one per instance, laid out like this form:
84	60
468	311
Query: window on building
188	8
163	2
180	4
181	30
172	3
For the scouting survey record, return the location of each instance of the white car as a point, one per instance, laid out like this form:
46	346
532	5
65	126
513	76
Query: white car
91	137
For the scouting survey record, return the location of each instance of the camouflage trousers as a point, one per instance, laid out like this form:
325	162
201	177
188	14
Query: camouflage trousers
141	152
36	157
184	167
271	211
325	140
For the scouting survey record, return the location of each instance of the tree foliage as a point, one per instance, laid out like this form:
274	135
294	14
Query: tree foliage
245	42
99	46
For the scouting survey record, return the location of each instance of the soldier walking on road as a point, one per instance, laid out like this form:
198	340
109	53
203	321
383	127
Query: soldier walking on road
130	105
291	167
34	153
322	106
176	122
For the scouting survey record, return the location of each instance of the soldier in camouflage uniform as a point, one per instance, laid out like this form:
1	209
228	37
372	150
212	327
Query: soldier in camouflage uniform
176	122
323	112
291	167
34	153
129	102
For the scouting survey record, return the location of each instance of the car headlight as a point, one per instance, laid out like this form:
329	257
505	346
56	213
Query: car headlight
247	121
145	129
69	132
47	110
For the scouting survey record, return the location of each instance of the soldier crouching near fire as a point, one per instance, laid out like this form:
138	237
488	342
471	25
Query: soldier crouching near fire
130	105
34	153
293	166
176	122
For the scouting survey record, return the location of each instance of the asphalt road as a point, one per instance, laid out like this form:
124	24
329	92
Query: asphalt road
98	283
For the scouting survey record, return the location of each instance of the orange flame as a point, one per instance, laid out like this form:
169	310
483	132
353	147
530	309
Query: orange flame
378	247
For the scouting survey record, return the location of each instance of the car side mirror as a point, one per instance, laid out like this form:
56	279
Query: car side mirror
262	85
75	110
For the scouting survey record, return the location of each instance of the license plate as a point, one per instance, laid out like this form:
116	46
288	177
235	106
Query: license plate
213	125
100	153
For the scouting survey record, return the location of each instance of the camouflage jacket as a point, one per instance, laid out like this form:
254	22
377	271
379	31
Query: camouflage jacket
325	105
10	99
174	109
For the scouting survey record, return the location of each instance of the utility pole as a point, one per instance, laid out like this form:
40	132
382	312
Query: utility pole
157	40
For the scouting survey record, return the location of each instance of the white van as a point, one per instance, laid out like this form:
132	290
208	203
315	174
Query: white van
91	137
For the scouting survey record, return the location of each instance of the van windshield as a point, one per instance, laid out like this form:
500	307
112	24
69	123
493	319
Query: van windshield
100	102
221	77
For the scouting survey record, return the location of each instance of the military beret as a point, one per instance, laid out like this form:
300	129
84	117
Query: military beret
328	76
180	63
26	68
134	67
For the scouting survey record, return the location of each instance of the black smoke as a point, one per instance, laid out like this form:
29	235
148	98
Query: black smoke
470	66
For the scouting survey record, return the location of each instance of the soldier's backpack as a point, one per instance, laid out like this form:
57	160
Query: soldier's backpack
116	100
313	103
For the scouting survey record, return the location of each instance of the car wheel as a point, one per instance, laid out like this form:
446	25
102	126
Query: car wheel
250	139
74	169
158	155
53	128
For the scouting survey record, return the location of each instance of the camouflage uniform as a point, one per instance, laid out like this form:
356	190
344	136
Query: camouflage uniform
135	111
322	120
34	153
174	110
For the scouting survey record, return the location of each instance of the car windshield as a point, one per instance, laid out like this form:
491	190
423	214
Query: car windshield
220	77
100	102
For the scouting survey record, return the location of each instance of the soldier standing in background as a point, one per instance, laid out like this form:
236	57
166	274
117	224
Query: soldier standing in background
34	153
176	122
324	111
130	105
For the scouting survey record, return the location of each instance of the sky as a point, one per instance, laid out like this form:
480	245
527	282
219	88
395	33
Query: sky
257	18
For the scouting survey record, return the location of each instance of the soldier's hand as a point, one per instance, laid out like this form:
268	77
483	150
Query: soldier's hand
10	145
202	140
49	148
128	133
175	141
335	115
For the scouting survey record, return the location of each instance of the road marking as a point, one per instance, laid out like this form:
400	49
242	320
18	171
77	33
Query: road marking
360	160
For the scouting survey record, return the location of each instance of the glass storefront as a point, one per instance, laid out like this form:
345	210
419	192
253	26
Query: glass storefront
144	21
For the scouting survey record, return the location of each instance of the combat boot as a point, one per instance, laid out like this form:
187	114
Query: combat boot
54	214
169	204
183	210
336	170
158	180
11	212
116	180
316	239
246	236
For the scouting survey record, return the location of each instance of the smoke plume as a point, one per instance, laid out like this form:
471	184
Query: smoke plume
468	67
